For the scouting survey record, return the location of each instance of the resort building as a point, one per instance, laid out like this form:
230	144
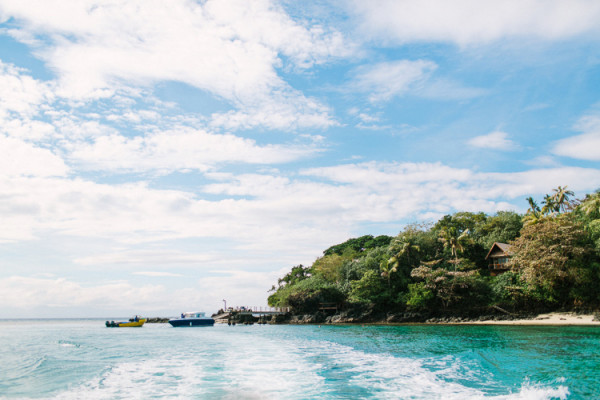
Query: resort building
498	257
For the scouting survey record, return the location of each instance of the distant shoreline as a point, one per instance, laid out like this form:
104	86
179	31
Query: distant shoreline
548	319
559	318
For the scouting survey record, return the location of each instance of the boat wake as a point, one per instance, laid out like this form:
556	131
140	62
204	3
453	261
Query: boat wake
292	369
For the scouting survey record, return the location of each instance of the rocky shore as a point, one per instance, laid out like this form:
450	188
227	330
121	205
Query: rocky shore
555	318
369	317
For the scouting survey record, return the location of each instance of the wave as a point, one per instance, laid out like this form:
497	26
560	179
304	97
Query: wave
274	368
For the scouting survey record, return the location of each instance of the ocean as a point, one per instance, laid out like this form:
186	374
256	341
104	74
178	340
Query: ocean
82	359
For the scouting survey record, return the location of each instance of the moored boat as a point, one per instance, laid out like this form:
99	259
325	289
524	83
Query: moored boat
135	322
192	319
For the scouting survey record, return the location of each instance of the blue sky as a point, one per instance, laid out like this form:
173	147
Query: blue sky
158	157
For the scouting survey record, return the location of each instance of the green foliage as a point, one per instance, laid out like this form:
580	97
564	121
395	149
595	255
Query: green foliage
371	288
553	204
305	295
451	287
354	269
298	273
419	297
556	263
460	236
455	241
593	228
460	222
404	248
506	289
329	267
551	256
588	213
590	206
358	245
503	227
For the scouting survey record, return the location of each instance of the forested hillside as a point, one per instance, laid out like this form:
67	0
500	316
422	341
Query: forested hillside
554	264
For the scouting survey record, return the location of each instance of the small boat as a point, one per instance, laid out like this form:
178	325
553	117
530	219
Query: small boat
192	319
134	322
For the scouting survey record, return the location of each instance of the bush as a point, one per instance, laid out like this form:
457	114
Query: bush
419	297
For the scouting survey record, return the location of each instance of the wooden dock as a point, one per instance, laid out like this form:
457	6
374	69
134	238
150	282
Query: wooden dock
243	313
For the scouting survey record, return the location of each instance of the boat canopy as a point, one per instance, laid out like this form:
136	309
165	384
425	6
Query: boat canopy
193	314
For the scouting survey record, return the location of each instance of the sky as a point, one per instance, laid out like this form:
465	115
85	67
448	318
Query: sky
159	157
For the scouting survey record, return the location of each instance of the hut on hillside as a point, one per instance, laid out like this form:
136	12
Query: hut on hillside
498	258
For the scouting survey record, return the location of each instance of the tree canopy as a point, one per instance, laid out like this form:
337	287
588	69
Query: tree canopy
441	267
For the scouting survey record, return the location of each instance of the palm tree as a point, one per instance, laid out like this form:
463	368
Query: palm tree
533	213
454	241
533	207
403	247
387	270
591	204
549	205
531	219
561	198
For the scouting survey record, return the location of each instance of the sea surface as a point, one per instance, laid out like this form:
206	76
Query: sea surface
82	359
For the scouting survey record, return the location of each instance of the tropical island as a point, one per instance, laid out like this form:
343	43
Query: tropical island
465	267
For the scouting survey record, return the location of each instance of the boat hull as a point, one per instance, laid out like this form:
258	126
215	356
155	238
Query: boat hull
130	324
187	322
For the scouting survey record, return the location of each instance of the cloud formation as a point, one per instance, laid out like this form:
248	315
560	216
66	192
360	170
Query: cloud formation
496	140
179	149
585	146
467	22
231	49
143	141
26	296
388	79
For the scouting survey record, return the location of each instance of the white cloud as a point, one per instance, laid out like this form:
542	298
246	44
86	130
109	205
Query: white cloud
496	140
585	146
26	293
157	274
261	222
388	79
229	48
543	161
26	296
20	93
240	288
473	21
264	212
28	129
19	158
278	111
135	258
179	149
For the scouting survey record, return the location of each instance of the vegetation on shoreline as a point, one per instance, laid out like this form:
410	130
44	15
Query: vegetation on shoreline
440	269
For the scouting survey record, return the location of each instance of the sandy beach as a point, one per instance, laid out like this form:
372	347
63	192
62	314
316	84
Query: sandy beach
554	318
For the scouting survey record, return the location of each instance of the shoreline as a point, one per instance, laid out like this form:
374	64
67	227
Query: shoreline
547	319
556	318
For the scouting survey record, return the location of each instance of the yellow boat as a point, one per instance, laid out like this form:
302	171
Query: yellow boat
135	322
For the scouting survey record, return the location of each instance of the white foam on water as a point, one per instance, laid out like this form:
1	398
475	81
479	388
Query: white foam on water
143	379
538	392
271	369
385	376
276	368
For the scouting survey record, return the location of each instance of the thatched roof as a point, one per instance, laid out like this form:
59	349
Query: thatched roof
505	249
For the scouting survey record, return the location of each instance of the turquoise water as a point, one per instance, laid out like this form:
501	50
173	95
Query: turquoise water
77	359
